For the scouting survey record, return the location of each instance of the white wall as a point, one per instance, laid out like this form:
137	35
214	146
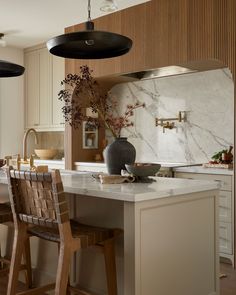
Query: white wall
11	106
207	98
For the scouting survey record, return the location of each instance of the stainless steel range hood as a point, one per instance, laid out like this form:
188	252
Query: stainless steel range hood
108	82
176	70
160	72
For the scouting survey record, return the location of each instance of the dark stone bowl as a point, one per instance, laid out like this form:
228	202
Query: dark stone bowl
143	169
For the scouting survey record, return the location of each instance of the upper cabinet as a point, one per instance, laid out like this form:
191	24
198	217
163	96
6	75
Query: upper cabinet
32	89
58	74
43	77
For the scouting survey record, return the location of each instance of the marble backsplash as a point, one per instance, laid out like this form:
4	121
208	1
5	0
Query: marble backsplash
206	97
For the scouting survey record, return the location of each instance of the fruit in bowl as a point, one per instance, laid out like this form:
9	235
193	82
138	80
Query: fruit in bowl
143	169
46	154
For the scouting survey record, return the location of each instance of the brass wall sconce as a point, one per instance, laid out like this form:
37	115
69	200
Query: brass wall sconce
169	123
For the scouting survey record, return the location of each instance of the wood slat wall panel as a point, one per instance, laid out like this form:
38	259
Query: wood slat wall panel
138	53
231	24
164	32
167	32
177	23
220	33
200	29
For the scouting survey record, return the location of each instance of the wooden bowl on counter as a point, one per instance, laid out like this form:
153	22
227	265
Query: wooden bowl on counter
46	154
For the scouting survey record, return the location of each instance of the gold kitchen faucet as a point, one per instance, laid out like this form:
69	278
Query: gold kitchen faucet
25	142
18	161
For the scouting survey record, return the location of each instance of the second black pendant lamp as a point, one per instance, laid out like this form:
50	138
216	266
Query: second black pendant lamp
89	44
9	69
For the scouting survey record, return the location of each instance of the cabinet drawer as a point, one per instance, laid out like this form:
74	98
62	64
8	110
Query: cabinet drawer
225	238
225	180
225	206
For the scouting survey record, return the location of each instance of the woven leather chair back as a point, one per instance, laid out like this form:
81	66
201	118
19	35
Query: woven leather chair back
37	198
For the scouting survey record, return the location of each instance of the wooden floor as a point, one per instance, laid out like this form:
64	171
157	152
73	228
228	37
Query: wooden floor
227	285
3	286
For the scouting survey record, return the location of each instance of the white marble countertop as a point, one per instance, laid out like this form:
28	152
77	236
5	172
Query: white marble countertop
92	164
52	164
84	184
56	161
200	169
163	164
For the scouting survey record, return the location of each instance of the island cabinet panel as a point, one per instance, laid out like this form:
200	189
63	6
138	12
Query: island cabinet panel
44	74
226	210
173	246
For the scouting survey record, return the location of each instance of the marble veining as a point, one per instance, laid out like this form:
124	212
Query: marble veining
207	98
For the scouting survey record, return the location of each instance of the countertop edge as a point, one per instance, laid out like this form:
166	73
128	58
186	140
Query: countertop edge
81	184
203	170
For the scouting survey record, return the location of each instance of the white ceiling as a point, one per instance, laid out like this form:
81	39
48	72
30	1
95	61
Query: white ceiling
30	22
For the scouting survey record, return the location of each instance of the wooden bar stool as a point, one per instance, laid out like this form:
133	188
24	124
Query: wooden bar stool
6	216
38	199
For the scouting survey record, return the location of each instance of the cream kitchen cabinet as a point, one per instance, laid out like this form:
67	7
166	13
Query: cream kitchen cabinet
226	209
58	74
32	89
44	73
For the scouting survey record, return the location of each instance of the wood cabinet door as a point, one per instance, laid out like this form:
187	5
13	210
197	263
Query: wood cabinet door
32	86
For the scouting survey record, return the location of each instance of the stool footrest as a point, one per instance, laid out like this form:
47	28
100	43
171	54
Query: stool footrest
78	291
38	291
4	260
4	271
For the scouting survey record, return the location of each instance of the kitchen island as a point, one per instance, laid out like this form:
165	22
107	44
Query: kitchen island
170	233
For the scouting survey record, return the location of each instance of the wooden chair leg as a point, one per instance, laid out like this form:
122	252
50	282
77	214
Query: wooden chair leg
63	270
110	264
0	257
68	281
27	261
20	237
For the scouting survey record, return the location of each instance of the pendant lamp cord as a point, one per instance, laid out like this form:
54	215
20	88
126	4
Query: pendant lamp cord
89	10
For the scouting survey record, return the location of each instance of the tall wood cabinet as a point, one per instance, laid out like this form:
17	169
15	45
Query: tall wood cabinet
43	75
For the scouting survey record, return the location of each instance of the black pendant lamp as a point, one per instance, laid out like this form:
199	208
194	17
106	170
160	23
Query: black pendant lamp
89	44
8	69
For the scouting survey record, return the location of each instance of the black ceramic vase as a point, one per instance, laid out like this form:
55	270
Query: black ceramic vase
117	154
